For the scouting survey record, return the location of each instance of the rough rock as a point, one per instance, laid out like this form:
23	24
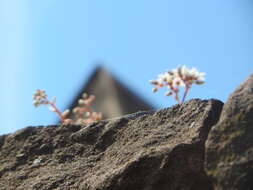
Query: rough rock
155	150
229	148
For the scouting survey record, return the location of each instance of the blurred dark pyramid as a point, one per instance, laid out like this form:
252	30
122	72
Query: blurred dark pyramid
113	98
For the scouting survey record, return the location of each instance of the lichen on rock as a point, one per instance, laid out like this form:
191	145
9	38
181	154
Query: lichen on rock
229	148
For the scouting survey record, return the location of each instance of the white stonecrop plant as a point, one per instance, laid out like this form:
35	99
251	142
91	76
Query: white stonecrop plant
40	97
83	112
181	76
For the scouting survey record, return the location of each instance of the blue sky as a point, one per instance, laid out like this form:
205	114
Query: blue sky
54	45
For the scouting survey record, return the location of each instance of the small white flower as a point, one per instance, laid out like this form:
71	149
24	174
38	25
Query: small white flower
200	81
67	121
154	82
53	100
75	110
52	109
154	89
85	95
65	113
178	82
168	77
36	103
81	102
168	93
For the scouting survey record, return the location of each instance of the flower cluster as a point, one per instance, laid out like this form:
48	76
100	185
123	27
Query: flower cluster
83	113
181	76
39	97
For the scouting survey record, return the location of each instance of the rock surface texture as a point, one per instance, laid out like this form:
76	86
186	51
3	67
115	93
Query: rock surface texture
229	156
162	150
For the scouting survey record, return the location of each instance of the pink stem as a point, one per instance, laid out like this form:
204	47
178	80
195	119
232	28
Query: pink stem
56	110
177	98
187	87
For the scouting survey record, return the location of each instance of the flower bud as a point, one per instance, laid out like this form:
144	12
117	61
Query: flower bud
154	82
67	121
85	95
154	89
52	109
200	82
81	102
169	93
65	113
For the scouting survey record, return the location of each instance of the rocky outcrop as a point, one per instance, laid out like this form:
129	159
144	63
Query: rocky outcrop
229	156
162	150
